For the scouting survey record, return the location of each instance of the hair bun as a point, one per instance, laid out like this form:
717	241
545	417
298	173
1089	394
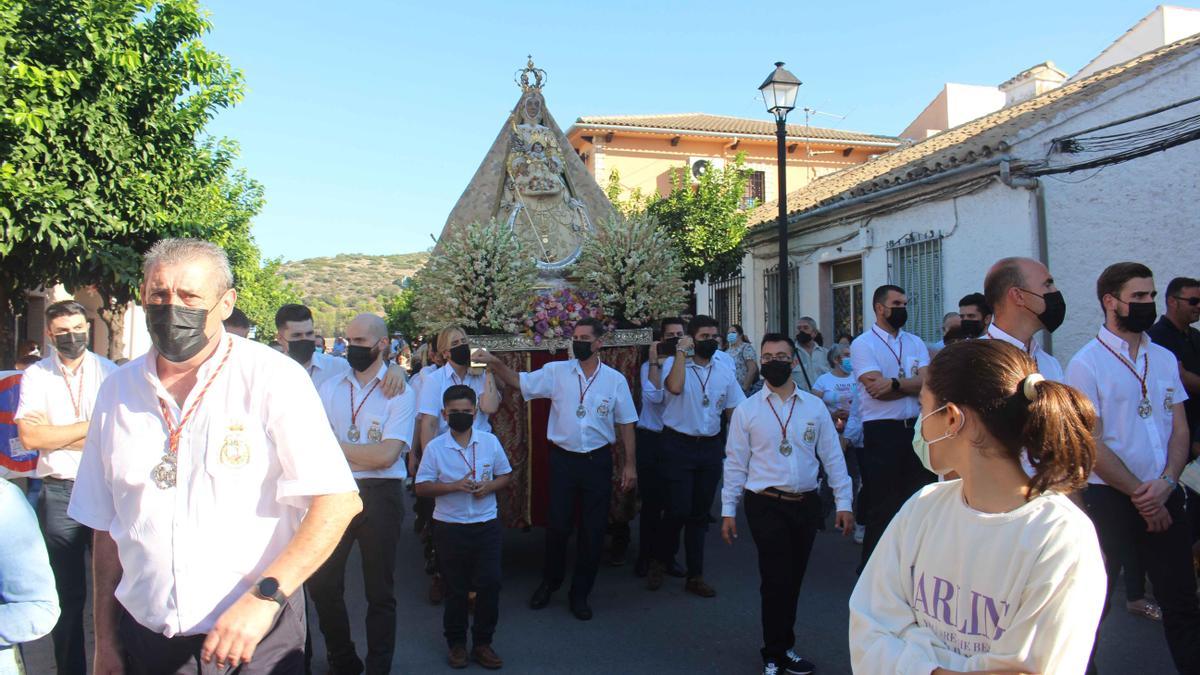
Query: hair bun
1029	386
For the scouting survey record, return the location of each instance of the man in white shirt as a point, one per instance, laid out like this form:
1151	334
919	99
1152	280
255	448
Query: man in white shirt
295	333
889	363
374	432
975	315
1022	293
950	321
1142	439
778	440
812	360
699	394
57	397
238	323
589	403
213	483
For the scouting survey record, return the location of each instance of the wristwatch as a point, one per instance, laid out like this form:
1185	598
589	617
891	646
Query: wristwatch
895	384
267	588
1170	480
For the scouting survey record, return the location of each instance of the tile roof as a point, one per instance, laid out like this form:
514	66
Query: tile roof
722	124
964	144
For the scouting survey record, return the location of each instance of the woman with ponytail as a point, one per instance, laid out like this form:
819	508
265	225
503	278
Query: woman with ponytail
996	571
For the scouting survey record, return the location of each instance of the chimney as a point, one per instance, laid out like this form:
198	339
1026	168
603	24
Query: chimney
1032	82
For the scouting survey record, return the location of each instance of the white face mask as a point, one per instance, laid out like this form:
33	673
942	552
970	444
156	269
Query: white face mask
921	446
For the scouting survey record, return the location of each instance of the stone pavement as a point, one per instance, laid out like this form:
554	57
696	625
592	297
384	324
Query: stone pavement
636	631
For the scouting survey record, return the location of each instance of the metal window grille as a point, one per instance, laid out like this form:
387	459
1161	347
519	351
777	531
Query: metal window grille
846	287
725	300
915	264
771	291
756	188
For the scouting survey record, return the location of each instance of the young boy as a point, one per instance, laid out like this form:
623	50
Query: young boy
461	470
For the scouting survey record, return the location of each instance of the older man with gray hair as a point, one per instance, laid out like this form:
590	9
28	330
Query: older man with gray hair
213	482
812	360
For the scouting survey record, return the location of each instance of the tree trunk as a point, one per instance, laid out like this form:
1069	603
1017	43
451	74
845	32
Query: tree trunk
114	320
8	346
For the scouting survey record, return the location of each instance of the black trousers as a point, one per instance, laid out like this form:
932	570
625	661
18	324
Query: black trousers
281	651
584	479
650	489
783	533
67	543
891	473
1167	558
423	509
691	470
470	561
376	529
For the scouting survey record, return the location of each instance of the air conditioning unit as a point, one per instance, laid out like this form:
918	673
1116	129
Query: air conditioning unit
698	165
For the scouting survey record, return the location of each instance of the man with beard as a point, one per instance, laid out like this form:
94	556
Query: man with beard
1025	301
975	315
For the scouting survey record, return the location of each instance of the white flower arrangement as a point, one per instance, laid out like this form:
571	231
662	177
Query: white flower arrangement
478	278
634	269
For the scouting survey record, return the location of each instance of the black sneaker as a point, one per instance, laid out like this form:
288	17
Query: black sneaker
798	666
771	668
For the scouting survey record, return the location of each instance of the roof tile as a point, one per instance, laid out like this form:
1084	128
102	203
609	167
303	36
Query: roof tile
722	124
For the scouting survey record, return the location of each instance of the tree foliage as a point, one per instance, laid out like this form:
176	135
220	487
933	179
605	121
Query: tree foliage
399	309
102	109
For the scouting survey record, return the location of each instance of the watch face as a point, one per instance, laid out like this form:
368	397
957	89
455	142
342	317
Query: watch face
268	586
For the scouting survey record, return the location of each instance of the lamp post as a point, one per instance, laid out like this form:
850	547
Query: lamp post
779	94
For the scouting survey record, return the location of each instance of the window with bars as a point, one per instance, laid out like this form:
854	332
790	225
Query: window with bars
915	264
725	300
771	293
756	182
846	284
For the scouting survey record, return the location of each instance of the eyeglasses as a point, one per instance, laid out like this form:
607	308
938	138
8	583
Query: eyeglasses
1191	301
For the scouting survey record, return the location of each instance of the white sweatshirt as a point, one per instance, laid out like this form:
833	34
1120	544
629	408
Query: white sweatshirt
955	588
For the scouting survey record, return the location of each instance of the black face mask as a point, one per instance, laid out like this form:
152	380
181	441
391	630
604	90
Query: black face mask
803	338
776	373
897	317
177	332
460	421
1140	318
706	348
971	327
301	350
70	345
1055	312
360	357
461	355
581	349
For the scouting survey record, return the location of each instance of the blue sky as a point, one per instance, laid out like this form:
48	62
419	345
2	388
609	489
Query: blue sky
365	120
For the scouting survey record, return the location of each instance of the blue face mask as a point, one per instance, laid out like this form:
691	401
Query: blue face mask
921	446
731	338
847	366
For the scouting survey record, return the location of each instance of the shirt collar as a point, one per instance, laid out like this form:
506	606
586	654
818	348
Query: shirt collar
1118	344
766	393
997	333
60	367
379	375
886	335
452	443
150	364
578	368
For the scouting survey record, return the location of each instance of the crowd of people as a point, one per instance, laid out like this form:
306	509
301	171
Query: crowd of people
997	496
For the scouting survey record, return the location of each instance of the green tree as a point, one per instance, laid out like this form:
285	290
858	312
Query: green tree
102	109
706	220
399	312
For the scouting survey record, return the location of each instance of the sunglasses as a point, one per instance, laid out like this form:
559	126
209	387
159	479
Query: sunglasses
1190	301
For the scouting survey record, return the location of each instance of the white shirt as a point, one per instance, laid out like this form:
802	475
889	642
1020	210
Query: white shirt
1141	444
393	417
417	382
837	392
446	461
878	351
1047	365
607	401
686	412
650	418
45	389
190	551
437	382
720	357
752	458
952	587
324	368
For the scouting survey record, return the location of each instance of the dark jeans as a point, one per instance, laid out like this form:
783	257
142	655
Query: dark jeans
470	559
423	508
691	470
650	488
67	543
783	533
376	530
891	473
585	478
1167	558
281	651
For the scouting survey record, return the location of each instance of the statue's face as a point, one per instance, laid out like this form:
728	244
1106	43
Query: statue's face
533	109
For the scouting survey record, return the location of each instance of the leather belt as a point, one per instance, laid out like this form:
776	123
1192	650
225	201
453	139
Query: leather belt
776	493
669	430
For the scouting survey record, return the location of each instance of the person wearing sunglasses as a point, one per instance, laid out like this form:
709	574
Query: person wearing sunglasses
1175	332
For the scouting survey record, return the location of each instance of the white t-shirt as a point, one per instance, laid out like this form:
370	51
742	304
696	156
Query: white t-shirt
951	587
837	392
445	461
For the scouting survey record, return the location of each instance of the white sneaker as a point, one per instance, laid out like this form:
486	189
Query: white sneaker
860	531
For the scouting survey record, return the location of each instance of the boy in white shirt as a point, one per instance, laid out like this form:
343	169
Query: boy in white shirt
461	470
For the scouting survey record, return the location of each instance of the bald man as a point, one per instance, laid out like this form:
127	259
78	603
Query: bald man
1025	300
375	433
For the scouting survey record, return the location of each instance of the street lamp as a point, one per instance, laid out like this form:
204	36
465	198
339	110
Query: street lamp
779	94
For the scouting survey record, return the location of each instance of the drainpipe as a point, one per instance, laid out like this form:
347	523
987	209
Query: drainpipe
1039	209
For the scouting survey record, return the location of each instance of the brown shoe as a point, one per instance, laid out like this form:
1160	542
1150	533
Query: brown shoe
437	590
485	656
458	656
697	586
654	576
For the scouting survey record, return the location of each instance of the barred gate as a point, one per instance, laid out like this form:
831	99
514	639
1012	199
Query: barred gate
725	300
915	264
771	298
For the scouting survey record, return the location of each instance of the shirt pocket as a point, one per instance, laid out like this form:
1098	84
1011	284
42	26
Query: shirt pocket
236	454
